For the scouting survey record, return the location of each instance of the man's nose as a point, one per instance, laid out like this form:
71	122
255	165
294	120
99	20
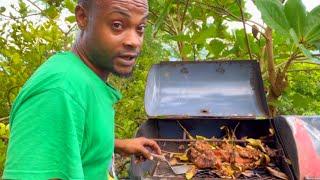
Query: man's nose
132	40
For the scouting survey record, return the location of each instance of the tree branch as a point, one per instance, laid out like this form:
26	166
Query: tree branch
244	28
269	51
289	62
70	30
223	11
227	12
16	18
184	15
35	5
171	30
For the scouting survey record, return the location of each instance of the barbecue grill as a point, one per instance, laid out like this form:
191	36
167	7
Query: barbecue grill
204	96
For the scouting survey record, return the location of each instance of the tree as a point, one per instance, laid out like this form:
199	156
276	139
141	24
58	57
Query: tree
301	33
291	22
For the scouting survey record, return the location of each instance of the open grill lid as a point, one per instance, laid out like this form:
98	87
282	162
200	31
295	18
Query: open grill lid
211	89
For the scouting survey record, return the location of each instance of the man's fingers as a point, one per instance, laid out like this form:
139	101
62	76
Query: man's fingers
145	153
154	145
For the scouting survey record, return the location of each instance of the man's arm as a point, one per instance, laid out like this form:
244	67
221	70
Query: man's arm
137	146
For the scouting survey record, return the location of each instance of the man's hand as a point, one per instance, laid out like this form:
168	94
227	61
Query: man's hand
137	146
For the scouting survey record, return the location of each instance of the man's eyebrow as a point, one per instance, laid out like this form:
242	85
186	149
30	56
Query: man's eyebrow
120	11
145	17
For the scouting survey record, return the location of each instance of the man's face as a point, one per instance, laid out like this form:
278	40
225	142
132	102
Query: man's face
114	34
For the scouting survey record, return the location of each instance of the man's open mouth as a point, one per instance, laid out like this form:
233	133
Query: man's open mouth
128	57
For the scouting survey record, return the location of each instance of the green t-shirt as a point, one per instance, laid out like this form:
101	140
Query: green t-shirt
62	123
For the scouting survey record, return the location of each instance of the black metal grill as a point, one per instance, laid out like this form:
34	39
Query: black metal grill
170	136
162	170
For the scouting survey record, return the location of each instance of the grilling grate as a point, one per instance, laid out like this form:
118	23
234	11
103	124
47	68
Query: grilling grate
163	171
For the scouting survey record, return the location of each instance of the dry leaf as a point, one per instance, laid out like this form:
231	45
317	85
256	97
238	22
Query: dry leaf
227	170
267	158
228	132
277	173
185	130
248	173
173	161
288	161
256	143
182	157
272	132
201	138
191	172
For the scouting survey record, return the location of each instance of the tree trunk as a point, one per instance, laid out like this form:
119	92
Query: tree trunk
277	79
181	46
271	71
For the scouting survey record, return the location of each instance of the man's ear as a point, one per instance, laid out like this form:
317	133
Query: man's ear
81	14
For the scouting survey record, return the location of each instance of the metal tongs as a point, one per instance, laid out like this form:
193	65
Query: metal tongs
179	169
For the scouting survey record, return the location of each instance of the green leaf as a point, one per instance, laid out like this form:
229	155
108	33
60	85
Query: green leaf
307	53
71	19
2	9
317	44
313	26
163	15
297	16
23	10
273	15
314	34
216	47
315	12
70	5
304	50
201	36
51	12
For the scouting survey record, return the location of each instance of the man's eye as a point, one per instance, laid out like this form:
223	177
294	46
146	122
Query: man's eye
117	26
141	28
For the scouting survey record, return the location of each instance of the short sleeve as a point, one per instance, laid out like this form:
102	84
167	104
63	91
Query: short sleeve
46	133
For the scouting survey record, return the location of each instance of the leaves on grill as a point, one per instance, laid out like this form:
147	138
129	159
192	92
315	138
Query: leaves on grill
256	143
201	137
184	129
288	161
248	173
182	157
191	172
173	161
226	158
277	173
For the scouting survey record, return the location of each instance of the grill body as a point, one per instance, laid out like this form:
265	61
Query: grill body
170	136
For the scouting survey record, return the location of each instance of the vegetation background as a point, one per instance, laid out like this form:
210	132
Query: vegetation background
286	44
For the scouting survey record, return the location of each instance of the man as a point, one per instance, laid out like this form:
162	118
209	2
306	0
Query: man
62	122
